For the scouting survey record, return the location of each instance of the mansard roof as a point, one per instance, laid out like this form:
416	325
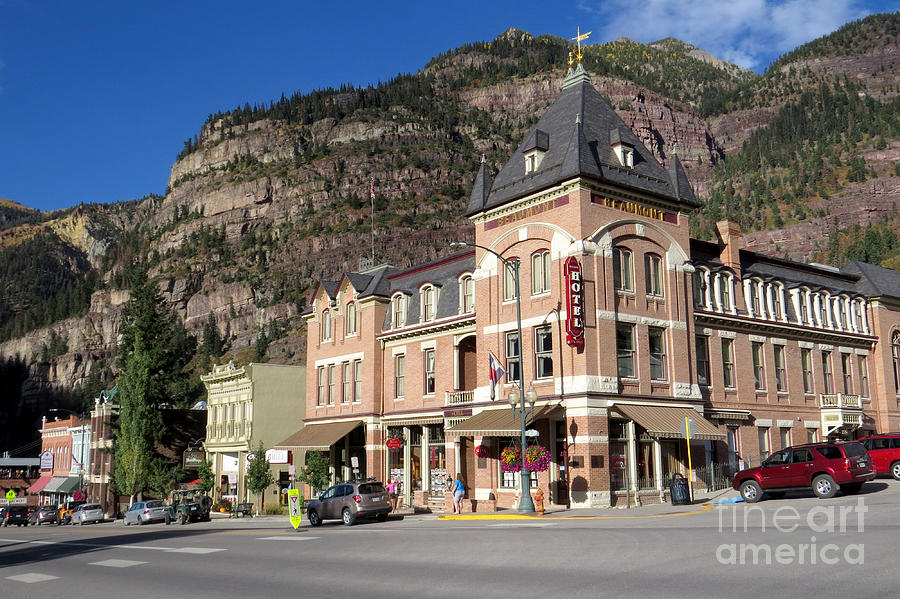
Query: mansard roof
578	129
875	281
443	273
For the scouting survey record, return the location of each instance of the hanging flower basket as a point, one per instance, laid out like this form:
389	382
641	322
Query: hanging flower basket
537	458
511	460
481	451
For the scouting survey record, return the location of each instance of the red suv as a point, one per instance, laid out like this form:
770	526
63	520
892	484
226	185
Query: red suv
821	466
885	453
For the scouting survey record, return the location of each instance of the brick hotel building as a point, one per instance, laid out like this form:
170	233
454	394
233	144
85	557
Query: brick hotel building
759	352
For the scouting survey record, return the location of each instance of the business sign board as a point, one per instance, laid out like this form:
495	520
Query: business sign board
574	303
278	456
47	460
193	458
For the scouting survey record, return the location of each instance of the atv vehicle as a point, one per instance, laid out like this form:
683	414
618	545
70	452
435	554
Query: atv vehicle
189	506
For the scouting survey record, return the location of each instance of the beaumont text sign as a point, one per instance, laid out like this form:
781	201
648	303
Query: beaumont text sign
574	303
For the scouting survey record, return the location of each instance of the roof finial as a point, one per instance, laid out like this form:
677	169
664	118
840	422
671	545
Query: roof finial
578	118
577	39
483	159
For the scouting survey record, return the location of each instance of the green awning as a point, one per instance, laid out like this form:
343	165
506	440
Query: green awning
69	485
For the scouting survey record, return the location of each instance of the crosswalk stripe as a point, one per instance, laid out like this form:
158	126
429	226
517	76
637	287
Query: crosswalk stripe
117	563
31	577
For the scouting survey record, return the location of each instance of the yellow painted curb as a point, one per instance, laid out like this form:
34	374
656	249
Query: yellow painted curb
705	507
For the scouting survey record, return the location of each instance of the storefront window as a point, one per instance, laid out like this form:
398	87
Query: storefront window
415	458
617	460
437	460
395	459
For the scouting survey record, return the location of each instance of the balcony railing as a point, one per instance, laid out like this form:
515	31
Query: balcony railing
840	400
458	397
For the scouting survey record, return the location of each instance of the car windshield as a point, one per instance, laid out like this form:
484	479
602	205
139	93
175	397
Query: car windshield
156	503
368	488
854	450
92	506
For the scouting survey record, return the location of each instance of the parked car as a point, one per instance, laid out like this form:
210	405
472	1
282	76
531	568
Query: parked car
145	512
45	513
66	510
349	501
823	467
885	453
88	512
18	515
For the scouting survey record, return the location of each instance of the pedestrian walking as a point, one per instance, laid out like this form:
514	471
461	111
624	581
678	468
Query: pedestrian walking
459	491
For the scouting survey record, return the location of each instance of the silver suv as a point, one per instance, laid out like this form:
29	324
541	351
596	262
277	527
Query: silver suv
349	501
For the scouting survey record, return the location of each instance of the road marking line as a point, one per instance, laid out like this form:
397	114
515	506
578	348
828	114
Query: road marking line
705	507
521	524
117	563
101	546
31	577
286	538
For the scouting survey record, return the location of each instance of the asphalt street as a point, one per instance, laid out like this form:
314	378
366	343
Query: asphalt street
799	546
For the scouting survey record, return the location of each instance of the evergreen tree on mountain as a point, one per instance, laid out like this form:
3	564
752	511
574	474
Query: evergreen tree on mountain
152	356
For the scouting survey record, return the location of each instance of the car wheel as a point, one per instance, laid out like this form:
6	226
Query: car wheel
823	486
141	521
314	519
851	488
182	519
750	491
81	521
168	519
895	470
348	517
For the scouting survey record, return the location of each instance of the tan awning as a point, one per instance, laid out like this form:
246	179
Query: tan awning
496	423
663	421
413	420
318	436
729	414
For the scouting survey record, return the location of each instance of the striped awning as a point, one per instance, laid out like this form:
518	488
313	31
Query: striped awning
497	423
413	420
54	484
69	485
38	485
667	422
720	414
319	436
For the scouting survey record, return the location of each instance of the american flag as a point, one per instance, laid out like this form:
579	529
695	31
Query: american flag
372	191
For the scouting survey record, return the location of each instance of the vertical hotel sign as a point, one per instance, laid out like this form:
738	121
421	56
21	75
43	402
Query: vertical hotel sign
574	303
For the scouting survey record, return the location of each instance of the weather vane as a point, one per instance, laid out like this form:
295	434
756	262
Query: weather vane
578	39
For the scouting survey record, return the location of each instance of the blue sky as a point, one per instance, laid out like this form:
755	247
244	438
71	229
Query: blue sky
97	98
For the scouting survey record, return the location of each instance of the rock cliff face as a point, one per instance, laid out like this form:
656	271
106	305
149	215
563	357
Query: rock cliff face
259	212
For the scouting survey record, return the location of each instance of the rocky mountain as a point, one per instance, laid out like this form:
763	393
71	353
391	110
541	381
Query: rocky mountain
265	200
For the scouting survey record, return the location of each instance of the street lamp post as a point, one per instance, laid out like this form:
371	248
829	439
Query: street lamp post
515	396
81	463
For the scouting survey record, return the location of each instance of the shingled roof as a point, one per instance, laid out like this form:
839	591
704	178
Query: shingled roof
578	131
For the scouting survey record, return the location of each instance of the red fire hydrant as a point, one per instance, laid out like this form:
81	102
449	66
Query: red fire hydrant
539	501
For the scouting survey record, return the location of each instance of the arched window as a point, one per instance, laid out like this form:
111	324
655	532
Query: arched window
351	318
540	272
326	325
428	303
699	280
623	271
895	355
466	294
653	274
509	279
398	311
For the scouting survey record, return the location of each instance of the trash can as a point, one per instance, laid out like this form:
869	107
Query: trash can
678	489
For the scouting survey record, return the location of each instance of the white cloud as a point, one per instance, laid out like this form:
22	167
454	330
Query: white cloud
750	33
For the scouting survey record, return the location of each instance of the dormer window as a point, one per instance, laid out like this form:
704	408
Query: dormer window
536	146
428	296
466	294
326	325
623	149
398	311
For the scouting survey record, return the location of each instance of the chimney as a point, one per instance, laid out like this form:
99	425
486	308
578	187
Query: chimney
730	244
